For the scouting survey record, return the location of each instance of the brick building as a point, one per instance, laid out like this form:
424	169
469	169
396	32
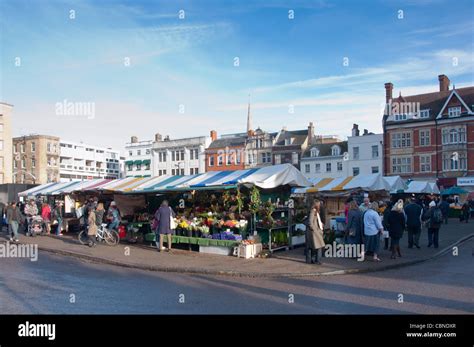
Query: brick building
430	136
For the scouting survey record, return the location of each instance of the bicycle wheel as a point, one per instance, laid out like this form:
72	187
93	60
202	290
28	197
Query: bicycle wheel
111	237
83	238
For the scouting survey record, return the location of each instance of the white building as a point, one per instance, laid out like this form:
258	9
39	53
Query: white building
179	157
138	158
79	161
325	160
365	153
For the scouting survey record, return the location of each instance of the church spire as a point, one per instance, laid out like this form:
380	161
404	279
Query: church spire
249	119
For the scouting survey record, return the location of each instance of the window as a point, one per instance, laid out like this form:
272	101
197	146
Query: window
181	172
130	153
425	114
375	151
375	169
147	166
1	145
191	154
22	148
454	111
355	171
23	163
425	163
454	135
266	157
400	117
314	152
230	157
335	151
317	168
220	159
147	151
1	127
454	161
173	172
182	154
355	152
1	163
287	142
425	138
48	147
162	157
15	165
139	167
401	165
294	158
15	149
33	163
211	160
139	152
339	166
328	167
401	140
33	146
306	168
238	157
277	159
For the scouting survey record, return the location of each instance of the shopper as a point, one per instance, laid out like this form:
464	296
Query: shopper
372	230
31	210
314	236
163	225
365	205
113	215
385	214
57	216
414	213
46	215
354	224
14	219
434	218
465	212
444	206
92	229
99	214
396	226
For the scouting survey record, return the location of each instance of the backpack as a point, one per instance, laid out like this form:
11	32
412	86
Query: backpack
437	216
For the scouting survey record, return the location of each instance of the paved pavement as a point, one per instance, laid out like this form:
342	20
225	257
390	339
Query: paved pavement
282	264
65	285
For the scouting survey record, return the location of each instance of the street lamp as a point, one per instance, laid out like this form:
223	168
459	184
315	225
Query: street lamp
178	165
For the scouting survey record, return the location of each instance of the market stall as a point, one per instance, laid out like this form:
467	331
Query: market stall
217	211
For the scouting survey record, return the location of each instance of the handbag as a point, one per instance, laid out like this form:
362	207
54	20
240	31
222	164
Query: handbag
172	222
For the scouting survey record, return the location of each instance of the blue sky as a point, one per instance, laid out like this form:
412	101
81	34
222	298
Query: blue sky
190	62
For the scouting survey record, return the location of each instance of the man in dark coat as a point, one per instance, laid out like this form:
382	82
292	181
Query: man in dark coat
414	214
444	207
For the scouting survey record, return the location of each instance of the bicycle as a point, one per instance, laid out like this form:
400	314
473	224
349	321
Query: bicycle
110	237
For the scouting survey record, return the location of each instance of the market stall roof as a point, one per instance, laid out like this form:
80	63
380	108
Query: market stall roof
373	182
266	178
38	188
422	187
454	191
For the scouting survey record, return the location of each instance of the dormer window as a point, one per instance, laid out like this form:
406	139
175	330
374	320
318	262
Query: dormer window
454	111
400	117
335	151
288	141
314	152
425	114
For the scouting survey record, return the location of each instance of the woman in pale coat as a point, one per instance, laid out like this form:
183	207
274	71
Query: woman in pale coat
92	230
314	236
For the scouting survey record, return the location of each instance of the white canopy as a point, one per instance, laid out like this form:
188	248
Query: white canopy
276	175
422	187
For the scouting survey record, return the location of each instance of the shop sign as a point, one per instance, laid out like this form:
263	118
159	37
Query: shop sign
466	181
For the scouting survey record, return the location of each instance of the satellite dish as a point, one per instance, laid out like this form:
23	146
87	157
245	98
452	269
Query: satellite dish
17	156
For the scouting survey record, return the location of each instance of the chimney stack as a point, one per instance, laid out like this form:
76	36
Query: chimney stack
355	130
213	135
366	132
443	83
388	92
310	133
158	137
134	139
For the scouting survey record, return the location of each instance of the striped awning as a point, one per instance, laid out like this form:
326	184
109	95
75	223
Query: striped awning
373	182
266	177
